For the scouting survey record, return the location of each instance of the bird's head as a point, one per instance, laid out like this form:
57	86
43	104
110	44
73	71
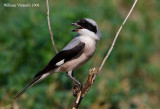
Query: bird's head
87	27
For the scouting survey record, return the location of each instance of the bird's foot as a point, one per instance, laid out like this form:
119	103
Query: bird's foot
77	85
75	89
75	81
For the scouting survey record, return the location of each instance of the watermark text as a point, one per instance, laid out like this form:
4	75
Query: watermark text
21	5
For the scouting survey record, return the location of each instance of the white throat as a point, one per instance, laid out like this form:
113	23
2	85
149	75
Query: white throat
87	33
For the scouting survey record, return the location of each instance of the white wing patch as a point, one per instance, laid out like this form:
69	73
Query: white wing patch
60	62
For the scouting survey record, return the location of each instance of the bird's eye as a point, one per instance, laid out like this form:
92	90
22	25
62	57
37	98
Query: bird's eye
86	24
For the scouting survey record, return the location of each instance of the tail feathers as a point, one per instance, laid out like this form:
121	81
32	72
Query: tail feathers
30	85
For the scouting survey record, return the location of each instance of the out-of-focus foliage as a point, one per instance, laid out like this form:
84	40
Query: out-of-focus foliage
129	79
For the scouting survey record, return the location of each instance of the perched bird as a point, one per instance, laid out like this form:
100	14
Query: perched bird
77	52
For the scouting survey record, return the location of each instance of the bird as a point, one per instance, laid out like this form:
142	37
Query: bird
77	52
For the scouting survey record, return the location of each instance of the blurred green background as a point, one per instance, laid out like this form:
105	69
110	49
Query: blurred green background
129	79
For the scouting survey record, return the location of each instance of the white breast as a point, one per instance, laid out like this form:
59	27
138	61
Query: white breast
90	45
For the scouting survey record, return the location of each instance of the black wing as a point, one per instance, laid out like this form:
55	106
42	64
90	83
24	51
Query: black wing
65	55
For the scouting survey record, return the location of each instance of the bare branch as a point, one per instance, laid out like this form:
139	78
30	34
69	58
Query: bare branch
50	30
91	77
113	43
83	91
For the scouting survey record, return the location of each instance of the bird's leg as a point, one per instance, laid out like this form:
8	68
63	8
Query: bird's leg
70	75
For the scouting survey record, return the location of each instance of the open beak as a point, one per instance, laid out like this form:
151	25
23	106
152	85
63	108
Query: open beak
76	29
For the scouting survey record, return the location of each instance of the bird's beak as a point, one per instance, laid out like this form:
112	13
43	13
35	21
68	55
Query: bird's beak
76	29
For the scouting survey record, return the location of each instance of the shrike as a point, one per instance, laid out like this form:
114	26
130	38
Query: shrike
77	52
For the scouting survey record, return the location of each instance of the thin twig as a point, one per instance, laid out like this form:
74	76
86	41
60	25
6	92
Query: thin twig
50	30
113	43
91	77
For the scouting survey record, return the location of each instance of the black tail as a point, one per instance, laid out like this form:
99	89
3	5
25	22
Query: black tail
24	90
